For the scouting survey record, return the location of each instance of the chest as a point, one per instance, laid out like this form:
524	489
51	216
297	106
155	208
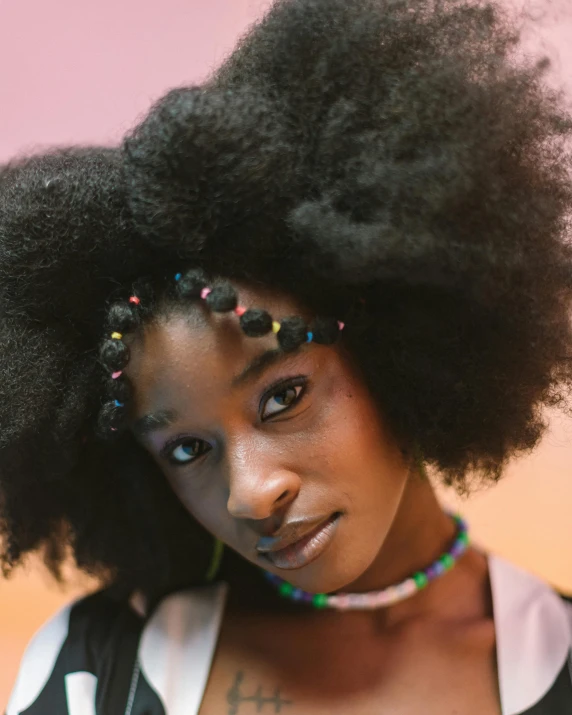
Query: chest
265	669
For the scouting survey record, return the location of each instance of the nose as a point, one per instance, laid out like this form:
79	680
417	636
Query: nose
258	486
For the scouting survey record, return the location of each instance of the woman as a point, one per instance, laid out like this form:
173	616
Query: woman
341	260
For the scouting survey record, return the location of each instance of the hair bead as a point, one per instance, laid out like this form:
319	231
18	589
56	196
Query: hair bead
145	291
293	333
255	323
240	310
135	300
205	292
115	375
119	404
275	326
309	337
116	336
222	298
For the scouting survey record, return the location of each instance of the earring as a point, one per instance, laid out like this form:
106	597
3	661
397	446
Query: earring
216	559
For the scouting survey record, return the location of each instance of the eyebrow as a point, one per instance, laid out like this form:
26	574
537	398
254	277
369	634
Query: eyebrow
257	366
153	422
165	418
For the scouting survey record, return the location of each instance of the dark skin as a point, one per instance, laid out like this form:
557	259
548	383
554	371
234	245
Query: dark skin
299	439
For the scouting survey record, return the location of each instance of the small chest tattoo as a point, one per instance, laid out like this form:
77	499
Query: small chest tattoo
235	698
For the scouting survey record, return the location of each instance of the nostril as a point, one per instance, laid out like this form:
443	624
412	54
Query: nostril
283	496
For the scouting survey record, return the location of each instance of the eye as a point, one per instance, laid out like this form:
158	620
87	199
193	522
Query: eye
281	400
185	451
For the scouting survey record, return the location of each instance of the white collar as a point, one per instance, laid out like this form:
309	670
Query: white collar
533	634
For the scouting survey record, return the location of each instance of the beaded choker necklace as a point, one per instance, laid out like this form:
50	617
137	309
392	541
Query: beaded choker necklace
387	596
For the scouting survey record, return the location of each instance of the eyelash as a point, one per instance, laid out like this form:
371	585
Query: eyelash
276	389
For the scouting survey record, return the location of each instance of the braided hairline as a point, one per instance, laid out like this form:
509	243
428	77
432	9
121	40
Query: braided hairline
125	317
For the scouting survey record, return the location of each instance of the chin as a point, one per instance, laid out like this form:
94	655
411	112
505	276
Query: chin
331	573
325	562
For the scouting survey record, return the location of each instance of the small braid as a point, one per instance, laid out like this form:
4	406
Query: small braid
255	323
114	356
222	298
121	317
293	333
326	330
191	286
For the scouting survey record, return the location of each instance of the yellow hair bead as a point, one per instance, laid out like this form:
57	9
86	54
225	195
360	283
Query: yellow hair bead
116	336
275	326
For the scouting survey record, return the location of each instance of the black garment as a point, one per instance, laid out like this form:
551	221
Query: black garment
98	657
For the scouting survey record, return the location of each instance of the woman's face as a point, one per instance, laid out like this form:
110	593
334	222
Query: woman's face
281	456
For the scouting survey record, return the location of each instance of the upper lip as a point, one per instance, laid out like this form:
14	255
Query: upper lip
292	532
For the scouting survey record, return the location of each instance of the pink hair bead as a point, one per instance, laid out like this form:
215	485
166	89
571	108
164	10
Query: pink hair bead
240	310
134	299
341	325
117	374
205	292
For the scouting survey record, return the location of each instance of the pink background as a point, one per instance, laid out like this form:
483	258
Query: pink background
77	72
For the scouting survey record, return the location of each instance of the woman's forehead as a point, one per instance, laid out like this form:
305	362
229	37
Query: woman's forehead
192	347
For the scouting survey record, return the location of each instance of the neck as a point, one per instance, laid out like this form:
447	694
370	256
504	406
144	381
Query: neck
420	533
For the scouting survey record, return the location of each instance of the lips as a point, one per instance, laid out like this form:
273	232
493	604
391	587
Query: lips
304	550
270	544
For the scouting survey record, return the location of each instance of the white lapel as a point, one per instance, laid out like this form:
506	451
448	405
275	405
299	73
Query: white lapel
39	661
81	689
533	632
178	644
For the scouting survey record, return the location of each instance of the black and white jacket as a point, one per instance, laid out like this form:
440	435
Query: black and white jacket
96	657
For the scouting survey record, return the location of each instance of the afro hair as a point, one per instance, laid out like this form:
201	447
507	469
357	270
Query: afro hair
391	161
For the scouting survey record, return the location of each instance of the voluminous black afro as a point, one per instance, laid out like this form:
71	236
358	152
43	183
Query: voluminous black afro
393	162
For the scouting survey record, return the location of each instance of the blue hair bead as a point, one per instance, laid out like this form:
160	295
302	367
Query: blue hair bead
119	404
178	276
310	337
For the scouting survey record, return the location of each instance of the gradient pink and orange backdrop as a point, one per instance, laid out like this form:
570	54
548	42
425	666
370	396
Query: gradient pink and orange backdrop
81	72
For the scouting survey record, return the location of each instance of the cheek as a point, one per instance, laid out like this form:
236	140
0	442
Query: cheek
202	498
361	447
347	424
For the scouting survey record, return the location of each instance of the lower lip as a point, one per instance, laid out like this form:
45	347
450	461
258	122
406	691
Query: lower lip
307	549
